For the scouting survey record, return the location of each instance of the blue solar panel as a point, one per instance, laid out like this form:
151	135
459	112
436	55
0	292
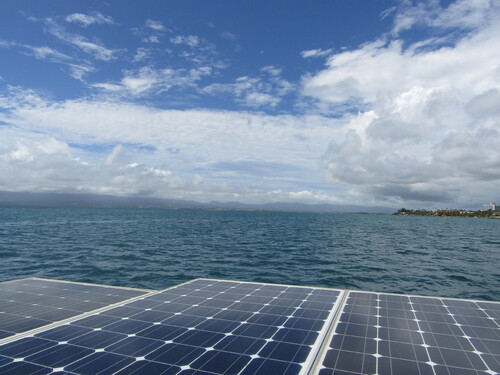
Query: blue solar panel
208	327
202	327
33	303
397	334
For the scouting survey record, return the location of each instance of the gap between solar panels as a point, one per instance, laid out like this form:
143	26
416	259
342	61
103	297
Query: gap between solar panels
323	346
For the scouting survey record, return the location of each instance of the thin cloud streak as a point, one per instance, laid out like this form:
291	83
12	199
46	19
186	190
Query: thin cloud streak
89	19
94	49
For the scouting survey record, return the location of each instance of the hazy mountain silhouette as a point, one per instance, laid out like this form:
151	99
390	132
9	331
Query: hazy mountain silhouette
95	200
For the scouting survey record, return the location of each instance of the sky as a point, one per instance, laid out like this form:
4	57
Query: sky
369	102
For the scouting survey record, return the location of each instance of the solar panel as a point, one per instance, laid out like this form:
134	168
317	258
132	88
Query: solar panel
202	327
33	303
207	327
398	334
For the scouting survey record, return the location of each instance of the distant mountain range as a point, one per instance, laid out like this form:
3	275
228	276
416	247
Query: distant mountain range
94	200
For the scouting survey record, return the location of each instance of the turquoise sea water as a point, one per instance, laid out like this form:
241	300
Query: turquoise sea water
155	249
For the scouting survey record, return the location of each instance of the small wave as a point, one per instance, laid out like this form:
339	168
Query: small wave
460	278
381	253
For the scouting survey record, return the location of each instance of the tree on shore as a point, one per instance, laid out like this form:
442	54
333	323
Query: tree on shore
447	212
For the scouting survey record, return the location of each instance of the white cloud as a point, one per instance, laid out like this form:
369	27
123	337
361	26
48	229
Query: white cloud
257	99
151	32
387	12
5	44
89	19
271	70
462	14
274	152
79	71
142	54
94	48
427	127
196	51
39	52
485	104
265	91
76	70
151	39
155	25
45	164
147	80
228	35
47	53
190	40
29	150
100	52
316	53
305	196
422	126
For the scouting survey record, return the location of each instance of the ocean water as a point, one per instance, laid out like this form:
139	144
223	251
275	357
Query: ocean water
154	249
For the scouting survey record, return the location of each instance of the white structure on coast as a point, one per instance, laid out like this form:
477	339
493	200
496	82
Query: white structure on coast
491	206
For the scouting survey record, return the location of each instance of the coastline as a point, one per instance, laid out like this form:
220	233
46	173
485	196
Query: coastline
488	214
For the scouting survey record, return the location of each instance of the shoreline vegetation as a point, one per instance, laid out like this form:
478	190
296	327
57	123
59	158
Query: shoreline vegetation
449	212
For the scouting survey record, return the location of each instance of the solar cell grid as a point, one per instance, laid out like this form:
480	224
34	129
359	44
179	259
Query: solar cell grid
397	334
224	327
232	328
29	304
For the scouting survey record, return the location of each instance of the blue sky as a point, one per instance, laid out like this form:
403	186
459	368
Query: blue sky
369	102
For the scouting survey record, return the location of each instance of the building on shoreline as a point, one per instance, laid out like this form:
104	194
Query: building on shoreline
491	206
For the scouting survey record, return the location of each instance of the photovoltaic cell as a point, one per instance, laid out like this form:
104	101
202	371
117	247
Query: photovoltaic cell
208	327
202	327
32	303
397	334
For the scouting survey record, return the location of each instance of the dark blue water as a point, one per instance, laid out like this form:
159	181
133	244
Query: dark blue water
158	248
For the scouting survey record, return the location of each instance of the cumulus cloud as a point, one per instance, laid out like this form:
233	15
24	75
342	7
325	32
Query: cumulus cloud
427	127
89	19
46	164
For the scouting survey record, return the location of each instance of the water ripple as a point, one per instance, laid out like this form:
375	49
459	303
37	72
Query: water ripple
158	248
